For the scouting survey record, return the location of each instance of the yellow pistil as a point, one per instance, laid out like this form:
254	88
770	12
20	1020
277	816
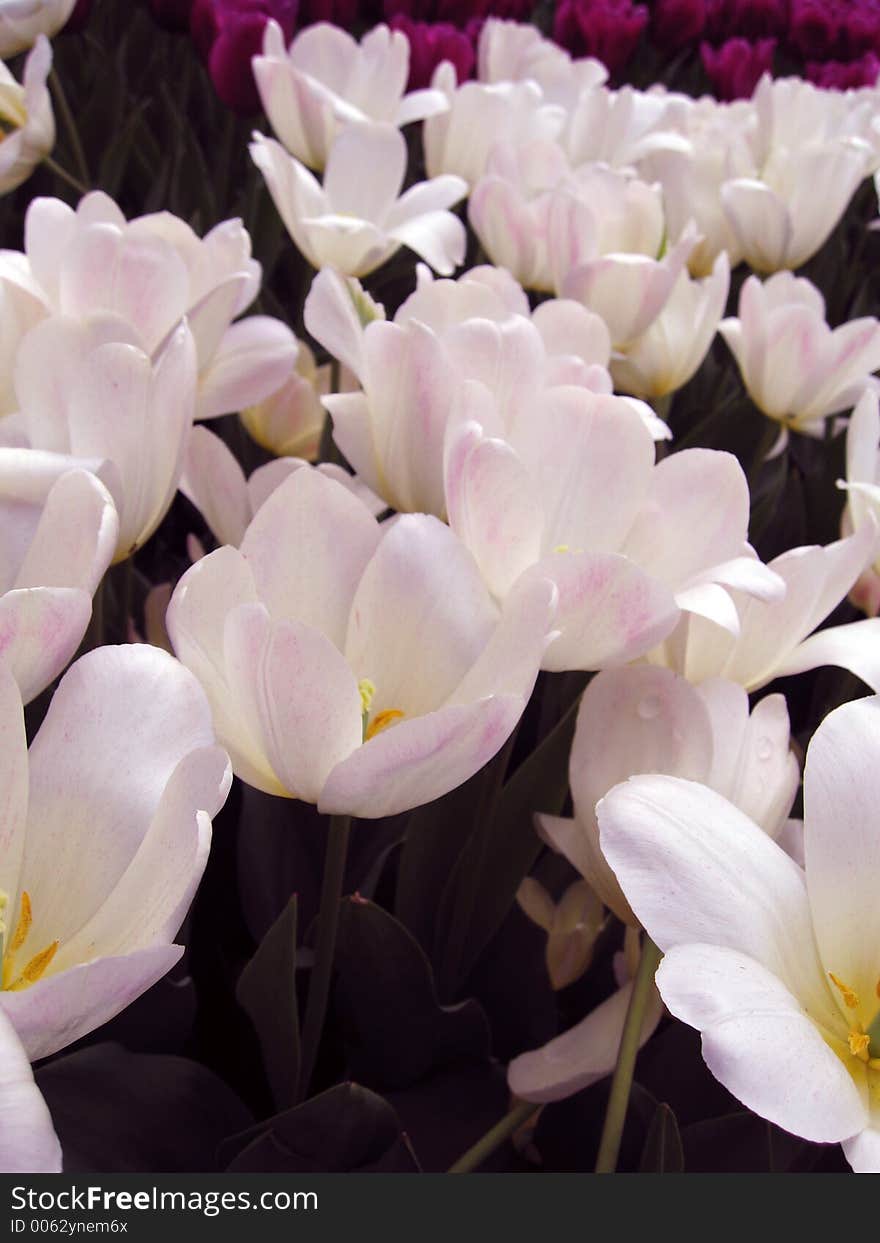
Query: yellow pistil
36	966
382	721
850	997
562	548
367	691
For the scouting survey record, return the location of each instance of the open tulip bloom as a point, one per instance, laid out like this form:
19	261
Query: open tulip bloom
26	111
360	667
778	966
106	826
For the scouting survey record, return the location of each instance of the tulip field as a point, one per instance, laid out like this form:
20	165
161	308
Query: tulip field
439	586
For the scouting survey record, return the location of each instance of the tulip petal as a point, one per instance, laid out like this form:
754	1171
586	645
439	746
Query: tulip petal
863	1150
418	760
695	869
13	782
854	646
215	483
307	548
842	845
75	538
252	361
759	1042
760	222
60	1009
584	1054
118	725
40	630
28	1143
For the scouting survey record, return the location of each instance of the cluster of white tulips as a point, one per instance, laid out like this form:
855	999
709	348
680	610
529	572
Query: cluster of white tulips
503	499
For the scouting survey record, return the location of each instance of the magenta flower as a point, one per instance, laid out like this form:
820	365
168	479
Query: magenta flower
606	29
228	34
746	19
431	43
823	30
736	67
676	23
458	12
342	13
837	75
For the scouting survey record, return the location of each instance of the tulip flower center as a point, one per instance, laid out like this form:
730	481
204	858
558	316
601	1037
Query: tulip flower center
12	111
34	967
863	1039
382	719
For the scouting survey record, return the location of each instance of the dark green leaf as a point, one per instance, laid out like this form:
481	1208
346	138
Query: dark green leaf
393	1027
663	1153
266	991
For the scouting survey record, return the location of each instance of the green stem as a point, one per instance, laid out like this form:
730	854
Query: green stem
67	117
65	176
494	1138
325	947
618	1101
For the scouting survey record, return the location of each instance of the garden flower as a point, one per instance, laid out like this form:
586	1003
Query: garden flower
124	773
28	1143
477	327
215	483
863	494
776	637
432	43
606	237
796	369
150	272
572	925
27	123
646	720
676	23
58	533
586	1052
290	420
625	558
802	136
516	52
104	400
23	21
358	219
229	34
377	677
736	67
777	966
326	81
481	114
665	357
606	29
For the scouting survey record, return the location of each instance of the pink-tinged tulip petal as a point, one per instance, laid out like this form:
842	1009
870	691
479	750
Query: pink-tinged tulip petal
129	709
331	317
566	327
842	845
418	760
332	537
638	720
266	479
853	647
75	537
696	516
420	617
49	230
492	507
584	1054
695	870
13	781
863	1150
60	1009
365	171
28	1143
581	441
154	893
209	318
215	483
140	278
40	630
296	694
760	223
712	602
509	663
759	1042
610	611
353	433
438	237
252	361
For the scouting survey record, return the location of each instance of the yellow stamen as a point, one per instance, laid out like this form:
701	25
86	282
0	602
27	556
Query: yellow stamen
23	927
562	548
858	1045
367	691
850	998
382	721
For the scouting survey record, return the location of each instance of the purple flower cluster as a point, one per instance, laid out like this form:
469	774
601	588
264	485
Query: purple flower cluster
835	42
